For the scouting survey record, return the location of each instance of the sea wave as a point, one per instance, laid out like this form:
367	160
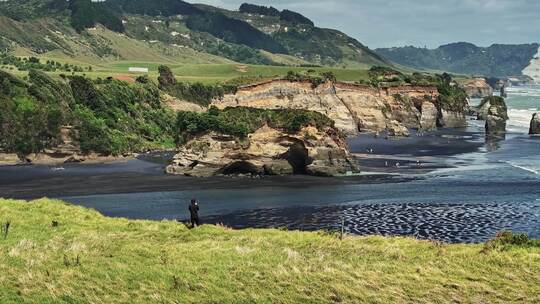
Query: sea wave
532	169
519	120
533	91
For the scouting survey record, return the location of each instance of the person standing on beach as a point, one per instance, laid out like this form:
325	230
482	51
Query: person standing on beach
194	212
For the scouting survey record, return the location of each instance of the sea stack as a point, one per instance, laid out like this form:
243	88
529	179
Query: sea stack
535	125
497	116
482	110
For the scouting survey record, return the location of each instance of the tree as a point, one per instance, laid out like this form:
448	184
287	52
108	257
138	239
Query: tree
166	77
5	87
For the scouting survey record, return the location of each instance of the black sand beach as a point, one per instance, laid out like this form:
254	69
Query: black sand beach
380	159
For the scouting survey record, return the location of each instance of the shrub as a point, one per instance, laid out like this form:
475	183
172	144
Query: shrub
507	239
258	10
452	97
197	93
241	121
295	18
111	117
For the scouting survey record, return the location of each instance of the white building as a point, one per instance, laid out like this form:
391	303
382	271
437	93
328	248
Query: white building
138	70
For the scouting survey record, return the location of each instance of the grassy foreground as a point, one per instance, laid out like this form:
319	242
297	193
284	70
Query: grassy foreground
88	258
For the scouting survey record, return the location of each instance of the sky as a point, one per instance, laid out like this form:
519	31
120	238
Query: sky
431	23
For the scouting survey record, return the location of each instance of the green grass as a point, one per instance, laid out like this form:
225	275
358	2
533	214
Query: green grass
212	73
208	73
89	258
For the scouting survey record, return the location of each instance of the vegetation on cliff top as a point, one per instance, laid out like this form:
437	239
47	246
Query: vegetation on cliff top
111	116
57	253
452	96
197	93
241	121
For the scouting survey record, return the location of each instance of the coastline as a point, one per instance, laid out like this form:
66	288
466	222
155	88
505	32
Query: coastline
146	172
46	159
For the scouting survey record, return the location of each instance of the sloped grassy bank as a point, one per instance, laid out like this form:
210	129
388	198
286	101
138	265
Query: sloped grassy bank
57	253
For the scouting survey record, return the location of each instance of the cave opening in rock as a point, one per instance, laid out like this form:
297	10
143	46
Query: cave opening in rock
298	158
240	167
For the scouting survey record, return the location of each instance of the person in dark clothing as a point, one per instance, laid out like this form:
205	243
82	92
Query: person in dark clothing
194	212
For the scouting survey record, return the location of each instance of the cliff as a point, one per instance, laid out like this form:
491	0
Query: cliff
478	88
67	150
533	69
353	107
267	151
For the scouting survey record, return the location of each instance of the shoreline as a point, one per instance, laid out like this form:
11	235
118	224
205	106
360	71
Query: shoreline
132	182
146	173
44	159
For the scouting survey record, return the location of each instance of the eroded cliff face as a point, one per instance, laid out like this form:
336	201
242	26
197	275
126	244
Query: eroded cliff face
478	88
67	150
533	69
265	152
354	108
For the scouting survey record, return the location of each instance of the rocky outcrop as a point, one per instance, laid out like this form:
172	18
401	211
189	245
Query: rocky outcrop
8	159
265	152
478	88
535	125
353	107
396	129
451	119
428	117
66	151
496	118
178	105
481	111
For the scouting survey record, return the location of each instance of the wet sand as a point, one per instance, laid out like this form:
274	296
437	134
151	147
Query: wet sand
132	182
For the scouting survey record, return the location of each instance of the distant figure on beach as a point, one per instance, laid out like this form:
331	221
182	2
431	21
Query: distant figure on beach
194	212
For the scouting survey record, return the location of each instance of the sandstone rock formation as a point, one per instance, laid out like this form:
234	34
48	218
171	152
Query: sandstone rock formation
481	111
496	118
178	105
353	107
428	118
535	125
66	151
8	159
396	129
451	119
265	152
478	88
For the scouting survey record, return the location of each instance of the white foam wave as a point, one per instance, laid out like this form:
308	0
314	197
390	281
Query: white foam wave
530	169
525	90
519	120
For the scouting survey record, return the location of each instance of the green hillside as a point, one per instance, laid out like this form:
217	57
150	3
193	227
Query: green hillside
173	31
464	58
57	253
